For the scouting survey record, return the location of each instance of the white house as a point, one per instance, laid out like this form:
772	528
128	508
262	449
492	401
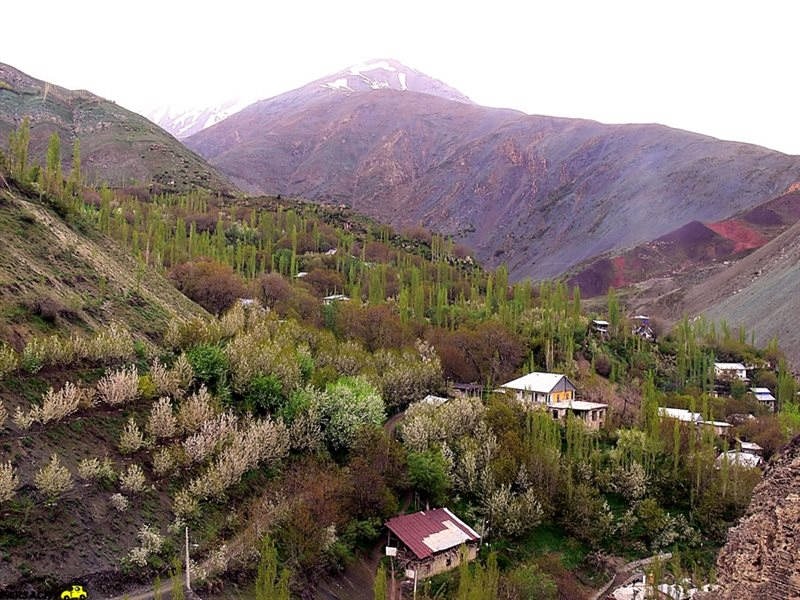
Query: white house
541	388
764	396
687	416
730	371
741	459
556	392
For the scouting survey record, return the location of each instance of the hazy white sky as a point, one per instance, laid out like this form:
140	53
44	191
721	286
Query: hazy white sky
724	68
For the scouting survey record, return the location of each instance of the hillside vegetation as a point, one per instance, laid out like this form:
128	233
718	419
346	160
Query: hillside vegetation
262	424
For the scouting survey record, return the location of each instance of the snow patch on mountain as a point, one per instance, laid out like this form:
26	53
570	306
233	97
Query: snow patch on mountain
183	121
339	84
371	66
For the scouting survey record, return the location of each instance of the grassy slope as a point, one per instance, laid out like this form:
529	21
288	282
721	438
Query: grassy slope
87	276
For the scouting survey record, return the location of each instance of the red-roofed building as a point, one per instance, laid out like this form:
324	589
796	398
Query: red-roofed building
428	541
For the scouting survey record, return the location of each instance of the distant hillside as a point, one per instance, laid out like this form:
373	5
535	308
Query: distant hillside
117	146
743	270
540	194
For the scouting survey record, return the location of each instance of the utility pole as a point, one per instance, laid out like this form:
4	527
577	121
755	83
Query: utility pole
188	580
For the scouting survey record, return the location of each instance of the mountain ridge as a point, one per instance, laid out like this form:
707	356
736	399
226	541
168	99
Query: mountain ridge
517	188
118	146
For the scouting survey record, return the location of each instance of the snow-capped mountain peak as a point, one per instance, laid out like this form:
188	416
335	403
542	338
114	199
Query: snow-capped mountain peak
390	74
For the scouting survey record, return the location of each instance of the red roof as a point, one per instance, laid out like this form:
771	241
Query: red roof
428	532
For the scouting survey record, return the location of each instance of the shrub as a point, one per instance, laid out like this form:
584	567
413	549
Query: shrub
131	438
163	461
172	382
3	415
162	423
150	542
195	410
185	504
8	360
133	479
93	469
8	481
33	356
257	442
22	419
119	502
209	365
264	395
353	403
212	435
119	387
57	405
53	479
114	342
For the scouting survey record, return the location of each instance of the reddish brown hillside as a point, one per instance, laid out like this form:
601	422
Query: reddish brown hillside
692	248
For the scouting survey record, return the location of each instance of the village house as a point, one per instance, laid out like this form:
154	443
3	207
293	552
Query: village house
600	328
764	397
335	298
749	447
426	543
730	371
541	388
592	414
720	428
740	459
641	327
556	393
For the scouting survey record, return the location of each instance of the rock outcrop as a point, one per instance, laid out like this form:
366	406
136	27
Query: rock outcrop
761	558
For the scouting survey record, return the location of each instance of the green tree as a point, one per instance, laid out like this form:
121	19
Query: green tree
53	181
428	473
272	583
75	180
177	592
379	586
18	143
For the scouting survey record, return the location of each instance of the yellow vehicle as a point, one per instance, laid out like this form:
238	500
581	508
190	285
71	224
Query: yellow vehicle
76	591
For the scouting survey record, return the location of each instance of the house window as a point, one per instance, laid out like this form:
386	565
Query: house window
555	414
594	415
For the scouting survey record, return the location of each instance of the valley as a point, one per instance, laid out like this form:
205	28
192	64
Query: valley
286	366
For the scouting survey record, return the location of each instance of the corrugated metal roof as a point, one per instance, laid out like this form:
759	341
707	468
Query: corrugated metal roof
426	532
536	382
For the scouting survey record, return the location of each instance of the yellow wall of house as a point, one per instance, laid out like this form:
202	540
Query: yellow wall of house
562	396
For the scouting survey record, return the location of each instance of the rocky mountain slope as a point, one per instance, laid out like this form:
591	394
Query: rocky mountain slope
540	194
118	146
760	557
